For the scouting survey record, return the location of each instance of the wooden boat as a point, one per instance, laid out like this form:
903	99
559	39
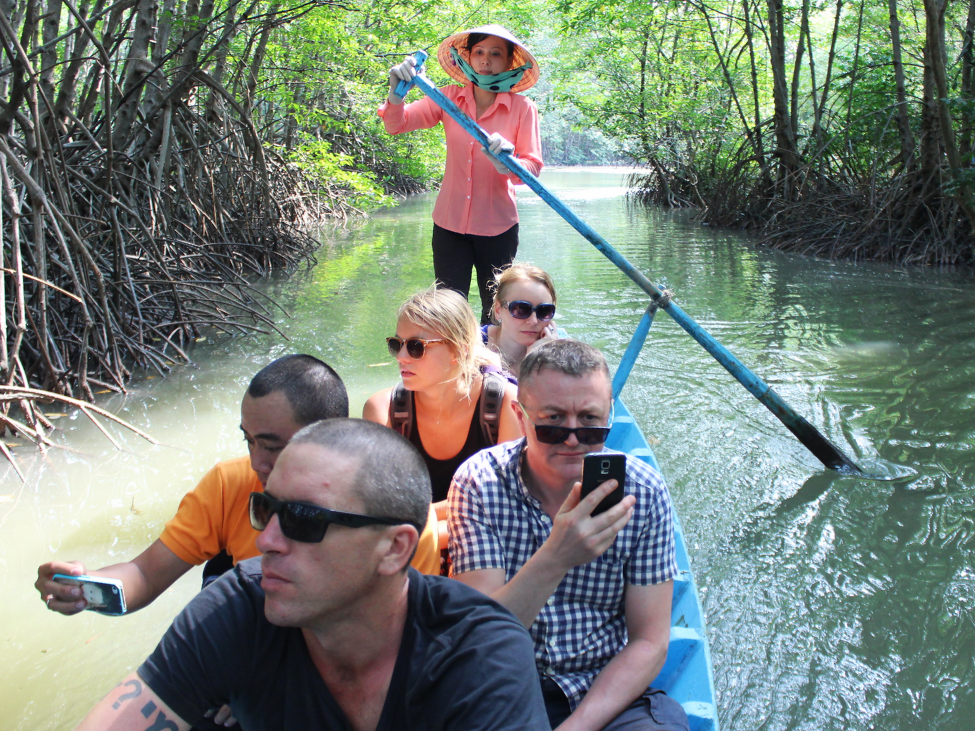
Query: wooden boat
686	675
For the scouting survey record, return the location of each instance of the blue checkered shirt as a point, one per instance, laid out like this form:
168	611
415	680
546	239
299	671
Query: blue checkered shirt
494	523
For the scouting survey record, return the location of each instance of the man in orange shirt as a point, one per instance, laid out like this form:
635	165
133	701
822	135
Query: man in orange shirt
283	397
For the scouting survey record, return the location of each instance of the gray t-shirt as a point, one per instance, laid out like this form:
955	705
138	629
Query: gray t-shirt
465	663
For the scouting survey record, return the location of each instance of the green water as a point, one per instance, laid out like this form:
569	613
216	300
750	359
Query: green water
832	602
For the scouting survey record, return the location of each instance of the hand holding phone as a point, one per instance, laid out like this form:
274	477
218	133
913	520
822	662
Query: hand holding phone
104	596
66	600
599	468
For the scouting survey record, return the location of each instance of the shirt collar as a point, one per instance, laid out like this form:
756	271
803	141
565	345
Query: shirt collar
503	98
518	464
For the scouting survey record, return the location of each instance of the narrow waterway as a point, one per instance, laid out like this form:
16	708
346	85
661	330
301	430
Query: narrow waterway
833	602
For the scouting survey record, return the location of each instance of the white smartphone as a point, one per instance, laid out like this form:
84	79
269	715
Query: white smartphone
104	596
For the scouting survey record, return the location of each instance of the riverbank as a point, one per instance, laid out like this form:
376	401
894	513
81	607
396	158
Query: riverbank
876	222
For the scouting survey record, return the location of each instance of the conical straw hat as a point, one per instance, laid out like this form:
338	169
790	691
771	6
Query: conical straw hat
459	41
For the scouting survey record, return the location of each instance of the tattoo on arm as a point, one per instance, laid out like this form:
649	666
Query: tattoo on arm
162	723
134	693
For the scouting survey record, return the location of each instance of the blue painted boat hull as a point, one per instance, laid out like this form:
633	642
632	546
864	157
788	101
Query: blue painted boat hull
686	675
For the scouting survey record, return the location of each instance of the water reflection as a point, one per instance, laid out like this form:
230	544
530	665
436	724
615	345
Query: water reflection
833	602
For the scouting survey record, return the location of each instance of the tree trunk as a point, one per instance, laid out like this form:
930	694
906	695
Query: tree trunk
796	71
853	81
787	150
20	64
68	86
754	136
903	119
817	133
646	135
965	137
49	56
291	126
7	9
258	58
934	11
220	61
151	130
137	68
757	131
804	31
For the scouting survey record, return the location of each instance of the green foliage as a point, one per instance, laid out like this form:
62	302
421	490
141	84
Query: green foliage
671	82
640	73
665	83
326	75
568	140
332	172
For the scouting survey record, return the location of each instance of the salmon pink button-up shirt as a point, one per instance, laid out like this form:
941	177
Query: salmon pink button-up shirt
474	198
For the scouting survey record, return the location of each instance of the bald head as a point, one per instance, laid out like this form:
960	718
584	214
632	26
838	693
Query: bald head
391	478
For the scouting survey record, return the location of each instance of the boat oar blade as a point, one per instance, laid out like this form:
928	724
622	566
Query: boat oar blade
805	432
823	449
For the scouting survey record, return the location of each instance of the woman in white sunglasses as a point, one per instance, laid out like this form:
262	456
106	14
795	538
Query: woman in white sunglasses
451	402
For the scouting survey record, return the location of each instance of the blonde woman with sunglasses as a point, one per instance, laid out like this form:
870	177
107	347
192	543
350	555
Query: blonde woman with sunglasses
445	368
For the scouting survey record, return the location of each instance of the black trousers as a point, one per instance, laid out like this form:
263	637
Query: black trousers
455	254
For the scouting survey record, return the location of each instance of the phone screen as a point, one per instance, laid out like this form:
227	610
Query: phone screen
104	596
597	469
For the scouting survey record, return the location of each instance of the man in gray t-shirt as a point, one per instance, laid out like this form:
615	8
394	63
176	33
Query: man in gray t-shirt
332	630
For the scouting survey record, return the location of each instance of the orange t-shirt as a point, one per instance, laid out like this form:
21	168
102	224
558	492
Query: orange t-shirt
213	517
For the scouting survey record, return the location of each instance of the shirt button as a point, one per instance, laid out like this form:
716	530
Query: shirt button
468	197
468	180
552	642
551	601
549	670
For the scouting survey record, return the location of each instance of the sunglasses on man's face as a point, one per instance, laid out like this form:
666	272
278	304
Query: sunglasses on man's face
587	435
415	347
303	522
521	310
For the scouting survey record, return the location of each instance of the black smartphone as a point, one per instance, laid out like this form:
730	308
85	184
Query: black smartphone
104	596
597	469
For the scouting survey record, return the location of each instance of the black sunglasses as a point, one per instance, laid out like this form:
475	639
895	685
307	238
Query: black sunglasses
306	523
587	435
521	310
415	347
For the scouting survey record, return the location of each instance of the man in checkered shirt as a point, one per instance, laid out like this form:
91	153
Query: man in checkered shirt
594	591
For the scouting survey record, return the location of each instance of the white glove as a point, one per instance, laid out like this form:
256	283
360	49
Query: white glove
400	72
497	144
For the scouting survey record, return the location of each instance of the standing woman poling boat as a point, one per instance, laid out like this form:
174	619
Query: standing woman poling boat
475	217
445	369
